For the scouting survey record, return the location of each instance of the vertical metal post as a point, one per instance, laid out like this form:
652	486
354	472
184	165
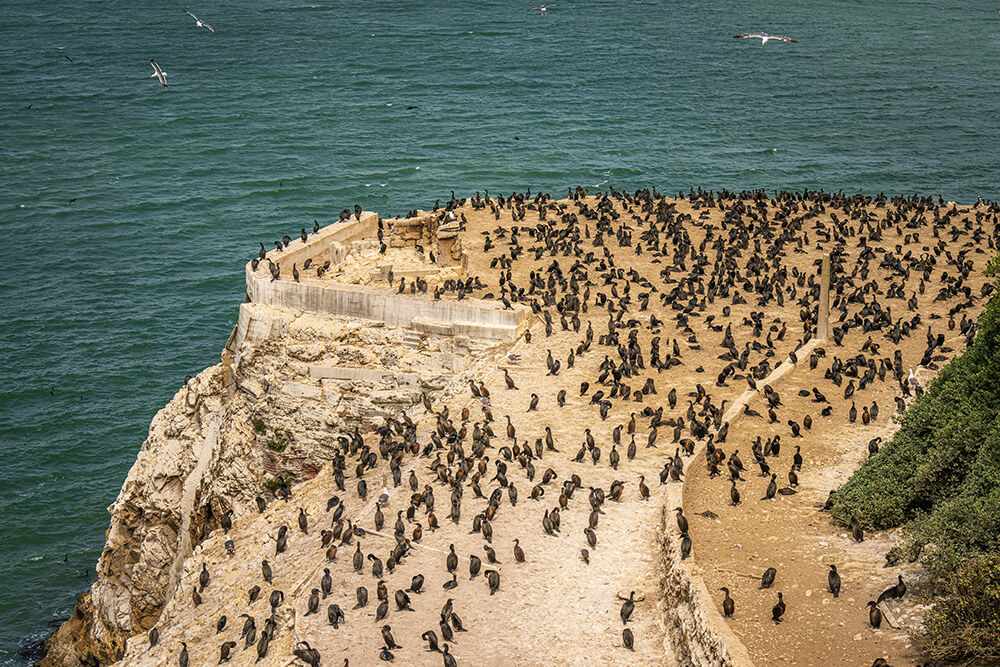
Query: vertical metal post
823	324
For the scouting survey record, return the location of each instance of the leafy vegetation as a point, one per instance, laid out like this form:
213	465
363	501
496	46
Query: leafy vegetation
258	425
965	623
940	476
277	445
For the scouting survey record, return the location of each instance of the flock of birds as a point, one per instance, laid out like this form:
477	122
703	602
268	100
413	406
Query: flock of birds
161	76
763	36
575	263
158	72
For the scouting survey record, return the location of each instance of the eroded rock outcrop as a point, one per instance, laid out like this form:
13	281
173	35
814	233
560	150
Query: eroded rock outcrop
144	537
293	384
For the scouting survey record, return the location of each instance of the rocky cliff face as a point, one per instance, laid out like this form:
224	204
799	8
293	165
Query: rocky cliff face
273	409
143	539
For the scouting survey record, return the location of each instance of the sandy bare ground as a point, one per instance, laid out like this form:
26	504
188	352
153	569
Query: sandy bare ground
554	608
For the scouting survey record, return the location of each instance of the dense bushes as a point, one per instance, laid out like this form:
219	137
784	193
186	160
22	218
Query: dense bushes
940	476
965	622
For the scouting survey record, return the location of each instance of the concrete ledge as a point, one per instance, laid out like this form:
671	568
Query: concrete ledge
371	303
431	326
493	332
474	319
698	632
361	374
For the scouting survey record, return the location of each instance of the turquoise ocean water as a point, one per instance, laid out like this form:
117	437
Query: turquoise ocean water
127	210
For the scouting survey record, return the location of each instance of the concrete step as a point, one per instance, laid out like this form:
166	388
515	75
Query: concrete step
412	339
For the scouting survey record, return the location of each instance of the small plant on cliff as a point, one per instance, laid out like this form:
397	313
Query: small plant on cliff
258	425
277	445
272	485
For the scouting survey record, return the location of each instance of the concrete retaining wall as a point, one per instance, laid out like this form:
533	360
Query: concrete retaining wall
698	632
326	244
435	231
484	321
372	303
321	372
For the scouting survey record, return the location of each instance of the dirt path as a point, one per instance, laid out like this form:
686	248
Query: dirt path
794	535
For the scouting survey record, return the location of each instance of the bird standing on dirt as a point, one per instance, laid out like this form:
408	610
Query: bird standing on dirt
778	610
728	606
833	581
628	607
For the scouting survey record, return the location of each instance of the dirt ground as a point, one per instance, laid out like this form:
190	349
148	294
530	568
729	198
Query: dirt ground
554	608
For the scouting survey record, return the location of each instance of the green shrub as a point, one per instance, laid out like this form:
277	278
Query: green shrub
258	425
272	485
965	623
277	445
945	449
940	477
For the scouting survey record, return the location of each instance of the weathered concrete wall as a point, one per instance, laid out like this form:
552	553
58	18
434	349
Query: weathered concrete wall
698	632
370	303
323	245
436	231
472	317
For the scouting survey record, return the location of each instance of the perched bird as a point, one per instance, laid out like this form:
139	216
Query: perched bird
307	654
335	615
778	610
833	581
627	608
224	651
894	592
874	614
390	643
728	606
856	531
432	641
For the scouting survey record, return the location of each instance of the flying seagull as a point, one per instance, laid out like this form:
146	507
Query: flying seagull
763	37
158	73
198	22
544	8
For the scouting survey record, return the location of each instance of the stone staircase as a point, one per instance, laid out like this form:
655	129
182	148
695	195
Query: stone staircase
412	339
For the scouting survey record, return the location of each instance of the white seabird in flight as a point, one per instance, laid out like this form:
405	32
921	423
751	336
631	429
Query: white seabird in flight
198	22
158	73
763	37
544	8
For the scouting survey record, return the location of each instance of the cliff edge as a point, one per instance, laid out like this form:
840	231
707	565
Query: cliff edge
292	380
